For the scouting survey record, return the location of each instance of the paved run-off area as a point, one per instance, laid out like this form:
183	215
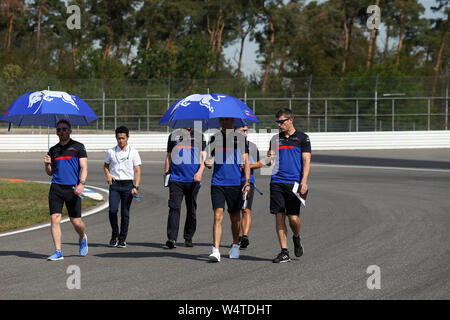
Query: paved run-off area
392	212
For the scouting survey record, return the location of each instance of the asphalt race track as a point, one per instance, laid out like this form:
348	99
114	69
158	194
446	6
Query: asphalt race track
365	208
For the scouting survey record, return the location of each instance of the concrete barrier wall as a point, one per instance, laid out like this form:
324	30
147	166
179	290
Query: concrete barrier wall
319	141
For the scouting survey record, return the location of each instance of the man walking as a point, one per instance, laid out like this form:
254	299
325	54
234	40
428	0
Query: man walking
185	163
230	150
122	167
292	150
255	163
67	163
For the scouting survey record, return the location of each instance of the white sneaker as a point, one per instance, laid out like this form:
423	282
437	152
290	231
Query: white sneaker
234	251
215	255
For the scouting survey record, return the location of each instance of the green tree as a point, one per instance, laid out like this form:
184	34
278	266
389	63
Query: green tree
146	24
407	17
218	14
246	19
39	7
109	20
192	58
9	9
442	25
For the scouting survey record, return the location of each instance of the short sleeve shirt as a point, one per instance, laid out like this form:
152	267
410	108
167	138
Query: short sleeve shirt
65	162
289	164
185	149
122	162
228	152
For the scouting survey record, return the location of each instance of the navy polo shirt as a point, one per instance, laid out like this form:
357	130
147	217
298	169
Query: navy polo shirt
185	148
228	158
289	164
65	161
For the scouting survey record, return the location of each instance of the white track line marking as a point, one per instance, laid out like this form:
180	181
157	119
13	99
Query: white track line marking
40	226
379	167
90	160
312	164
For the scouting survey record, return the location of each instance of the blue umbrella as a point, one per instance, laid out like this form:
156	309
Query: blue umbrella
207	108
46	108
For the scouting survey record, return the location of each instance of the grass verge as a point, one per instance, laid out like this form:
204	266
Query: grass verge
24	204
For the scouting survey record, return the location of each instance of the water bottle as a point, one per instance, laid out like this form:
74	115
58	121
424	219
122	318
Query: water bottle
81	195
137	197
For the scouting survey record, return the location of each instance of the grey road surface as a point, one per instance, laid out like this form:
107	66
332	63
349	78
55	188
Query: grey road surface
358	214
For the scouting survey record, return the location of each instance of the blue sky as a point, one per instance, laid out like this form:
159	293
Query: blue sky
250	49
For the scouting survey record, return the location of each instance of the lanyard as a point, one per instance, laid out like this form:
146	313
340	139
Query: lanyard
122	159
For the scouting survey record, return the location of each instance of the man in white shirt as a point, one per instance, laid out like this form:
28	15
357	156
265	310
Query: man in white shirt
122	166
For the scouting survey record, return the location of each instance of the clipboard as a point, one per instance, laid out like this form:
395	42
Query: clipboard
301	197
166	179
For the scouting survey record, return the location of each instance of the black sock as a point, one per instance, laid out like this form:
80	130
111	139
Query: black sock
284	250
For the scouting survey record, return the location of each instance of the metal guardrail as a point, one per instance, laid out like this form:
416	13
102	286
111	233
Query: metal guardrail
319	141
322	104
329	114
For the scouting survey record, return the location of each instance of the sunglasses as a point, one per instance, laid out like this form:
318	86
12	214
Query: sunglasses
281	121
62	129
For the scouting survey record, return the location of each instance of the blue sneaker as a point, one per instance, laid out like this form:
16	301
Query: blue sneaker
83	246
56	256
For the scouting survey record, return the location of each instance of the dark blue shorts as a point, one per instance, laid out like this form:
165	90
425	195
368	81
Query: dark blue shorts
232	195
60	194
283	200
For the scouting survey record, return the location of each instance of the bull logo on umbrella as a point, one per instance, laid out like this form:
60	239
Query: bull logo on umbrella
203	99
48	95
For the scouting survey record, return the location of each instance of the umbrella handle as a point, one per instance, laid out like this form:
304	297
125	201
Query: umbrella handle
48	130
257	190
